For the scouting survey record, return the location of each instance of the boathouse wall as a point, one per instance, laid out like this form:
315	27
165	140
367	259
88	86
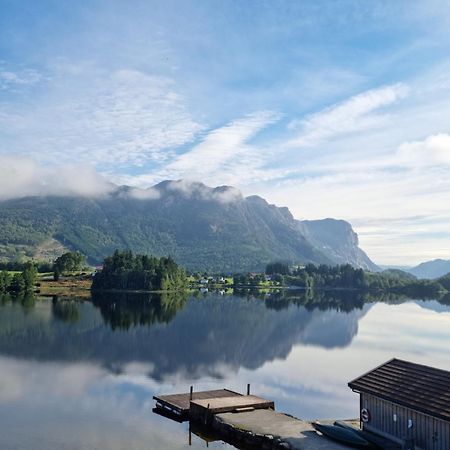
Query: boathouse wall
391	420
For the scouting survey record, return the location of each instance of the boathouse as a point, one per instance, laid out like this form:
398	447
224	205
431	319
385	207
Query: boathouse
407	403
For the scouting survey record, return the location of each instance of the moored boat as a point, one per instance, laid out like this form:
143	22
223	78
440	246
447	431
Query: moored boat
342	435
361	433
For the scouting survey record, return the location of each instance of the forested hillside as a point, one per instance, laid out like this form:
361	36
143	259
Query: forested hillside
201	228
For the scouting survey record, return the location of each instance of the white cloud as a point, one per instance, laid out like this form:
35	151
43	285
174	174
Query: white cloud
21	177
356	114
433	151
9	79
221	194
112	119
221	147
144	194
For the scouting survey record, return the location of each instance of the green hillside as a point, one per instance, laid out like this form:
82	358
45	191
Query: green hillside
203	229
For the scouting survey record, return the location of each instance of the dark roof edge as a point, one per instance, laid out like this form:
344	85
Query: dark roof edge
371	370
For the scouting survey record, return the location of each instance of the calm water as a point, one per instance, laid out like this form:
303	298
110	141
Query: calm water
81	374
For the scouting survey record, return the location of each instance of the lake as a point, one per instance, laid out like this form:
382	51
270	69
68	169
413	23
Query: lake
80	374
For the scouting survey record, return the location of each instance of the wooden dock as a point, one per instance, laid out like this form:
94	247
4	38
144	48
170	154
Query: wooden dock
245	420
179	405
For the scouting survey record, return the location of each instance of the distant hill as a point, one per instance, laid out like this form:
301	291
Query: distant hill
431	269
399	274
202	228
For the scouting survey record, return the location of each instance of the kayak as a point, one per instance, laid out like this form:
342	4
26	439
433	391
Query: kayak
341	434
361	433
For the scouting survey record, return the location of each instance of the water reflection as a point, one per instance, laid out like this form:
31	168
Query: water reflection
26	299
201	336
65	310
81	374
124	310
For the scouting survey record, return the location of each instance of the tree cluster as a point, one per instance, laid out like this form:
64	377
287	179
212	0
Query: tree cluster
125	271
278	268
20	266
347	277
249	279
68	262
339	277
20	281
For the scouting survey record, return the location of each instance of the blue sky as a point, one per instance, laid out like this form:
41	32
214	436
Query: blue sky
332	108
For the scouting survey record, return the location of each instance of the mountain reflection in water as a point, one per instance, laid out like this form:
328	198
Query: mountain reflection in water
178	334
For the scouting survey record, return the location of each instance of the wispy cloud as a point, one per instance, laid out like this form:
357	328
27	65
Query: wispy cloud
123	118
222	145
9	79
224	155
356	114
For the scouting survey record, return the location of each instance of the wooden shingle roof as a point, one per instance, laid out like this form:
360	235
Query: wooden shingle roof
421	388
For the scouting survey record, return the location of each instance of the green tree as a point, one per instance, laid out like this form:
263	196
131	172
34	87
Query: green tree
18	283
5	281
278	267
68	262
29	275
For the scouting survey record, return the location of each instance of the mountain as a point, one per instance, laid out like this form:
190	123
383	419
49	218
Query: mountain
215	229
431	269
399	274
337	240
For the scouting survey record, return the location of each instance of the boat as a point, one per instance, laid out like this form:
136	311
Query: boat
342	435
364	434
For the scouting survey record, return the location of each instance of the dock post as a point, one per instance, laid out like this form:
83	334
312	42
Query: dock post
191	393
207	415
248	389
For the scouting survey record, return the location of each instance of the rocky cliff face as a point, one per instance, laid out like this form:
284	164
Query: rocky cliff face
336	239
214	229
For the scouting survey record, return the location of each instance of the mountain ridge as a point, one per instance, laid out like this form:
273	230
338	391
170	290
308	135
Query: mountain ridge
203	228
431	269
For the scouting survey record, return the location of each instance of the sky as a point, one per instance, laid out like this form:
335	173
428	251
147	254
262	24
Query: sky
332	108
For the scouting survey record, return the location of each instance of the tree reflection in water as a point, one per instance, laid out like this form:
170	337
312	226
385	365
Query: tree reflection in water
126	310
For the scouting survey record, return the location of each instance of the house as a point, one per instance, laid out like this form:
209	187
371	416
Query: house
407	403
204	281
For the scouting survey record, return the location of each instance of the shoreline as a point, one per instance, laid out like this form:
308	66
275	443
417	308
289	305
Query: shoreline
83	287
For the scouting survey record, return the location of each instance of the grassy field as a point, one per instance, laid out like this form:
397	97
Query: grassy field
67	287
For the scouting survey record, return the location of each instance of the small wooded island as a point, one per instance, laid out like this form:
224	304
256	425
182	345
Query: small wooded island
125	271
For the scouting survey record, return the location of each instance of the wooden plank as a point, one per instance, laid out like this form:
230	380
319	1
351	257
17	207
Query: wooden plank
229	404
205	409
181	402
